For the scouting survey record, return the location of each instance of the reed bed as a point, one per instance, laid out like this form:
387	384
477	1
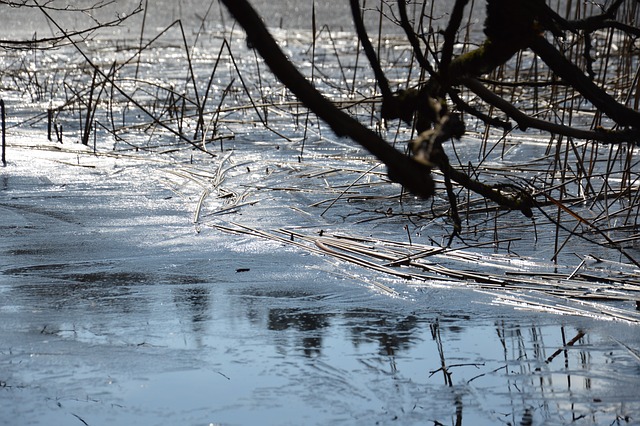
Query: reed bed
594	288
208	104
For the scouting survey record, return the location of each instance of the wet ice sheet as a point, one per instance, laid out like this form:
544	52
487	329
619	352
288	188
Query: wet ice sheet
114	309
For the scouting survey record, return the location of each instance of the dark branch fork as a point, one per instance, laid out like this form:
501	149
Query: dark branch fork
511	26
402	169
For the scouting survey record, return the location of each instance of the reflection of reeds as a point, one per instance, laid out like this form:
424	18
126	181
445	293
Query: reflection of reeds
534	374
526	371
4	133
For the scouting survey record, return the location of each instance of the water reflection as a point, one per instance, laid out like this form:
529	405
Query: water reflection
391	333
309	325
409	366
195	303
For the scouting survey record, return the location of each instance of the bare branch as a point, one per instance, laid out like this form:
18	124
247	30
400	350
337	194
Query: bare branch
450	35
569	72
524	121
57	40
411	35
361	31
402	169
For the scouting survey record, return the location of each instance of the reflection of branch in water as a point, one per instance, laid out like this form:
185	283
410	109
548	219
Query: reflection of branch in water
458	410
435	333
195	302
464	364
585	361
308	323
527	418
392	334
519	345
571	342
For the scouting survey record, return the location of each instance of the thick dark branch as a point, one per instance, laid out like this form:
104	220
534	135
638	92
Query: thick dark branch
596	22
569	72
424	63
427	148
632	31
392	106
590	25
519	201
491	121
411	35
524	121
402	169
361	30
450	34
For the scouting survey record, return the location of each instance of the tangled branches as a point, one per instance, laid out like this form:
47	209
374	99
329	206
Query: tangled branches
61	39
434	105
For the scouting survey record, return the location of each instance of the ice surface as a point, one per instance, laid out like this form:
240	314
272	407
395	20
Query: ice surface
115	310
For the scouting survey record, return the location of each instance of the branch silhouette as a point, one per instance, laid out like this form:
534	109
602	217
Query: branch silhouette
511	26
411	174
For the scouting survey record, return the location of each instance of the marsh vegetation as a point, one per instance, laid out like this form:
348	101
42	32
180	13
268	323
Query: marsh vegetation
163	190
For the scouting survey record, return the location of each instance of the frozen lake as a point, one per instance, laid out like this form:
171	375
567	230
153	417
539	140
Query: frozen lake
249	282
116	309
